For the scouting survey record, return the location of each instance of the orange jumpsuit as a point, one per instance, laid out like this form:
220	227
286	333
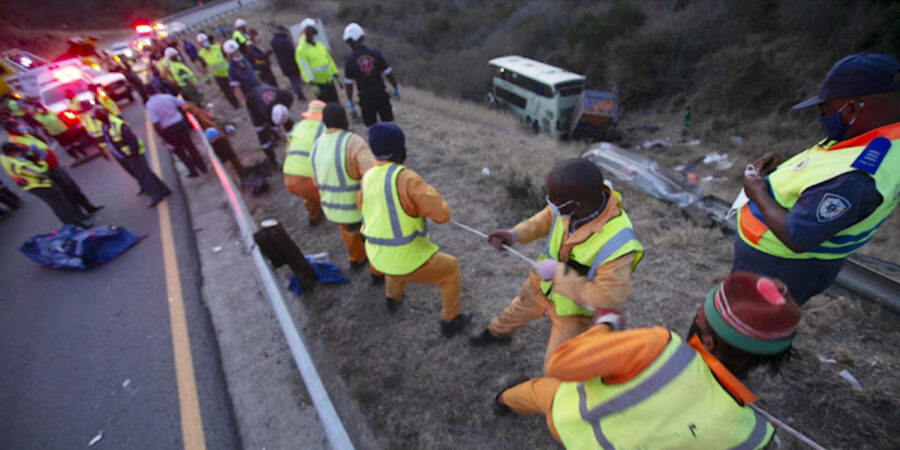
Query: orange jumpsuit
418	198
610	287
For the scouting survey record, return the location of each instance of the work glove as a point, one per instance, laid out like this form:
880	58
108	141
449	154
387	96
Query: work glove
353	114
350	105
545	268
499	238
397	93
611	317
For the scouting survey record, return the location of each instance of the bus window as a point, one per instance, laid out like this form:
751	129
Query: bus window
513	99
568	89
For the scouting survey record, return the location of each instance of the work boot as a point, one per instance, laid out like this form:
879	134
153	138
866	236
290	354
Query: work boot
84	225
94	208
449	328
392	305
356	265
377	280
486	338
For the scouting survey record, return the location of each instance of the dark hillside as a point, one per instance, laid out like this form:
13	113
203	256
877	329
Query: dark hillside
86	14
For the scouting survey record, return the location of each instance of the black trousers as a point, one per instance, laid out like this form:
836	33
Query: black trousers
266	75
373	105
227	91
70	189
61	207
223	149
179	137
327	92
9	198
150	183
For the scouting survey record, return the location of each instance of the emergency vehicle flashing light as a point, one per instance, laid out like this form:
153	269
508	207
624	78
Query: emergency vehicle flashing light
67	74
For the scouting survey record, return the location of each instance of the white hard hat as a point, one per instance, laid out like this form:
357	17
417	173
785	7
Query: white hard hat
307	22
202	38
353	32
279	114
240	23
230	46
170	52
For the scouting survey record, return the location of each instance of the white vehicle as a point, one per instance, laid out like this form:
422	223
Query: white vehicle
122	52
115	84
544	96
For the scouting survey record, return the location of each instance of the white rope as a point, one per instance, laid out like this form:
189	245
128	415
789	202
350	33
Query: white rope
505	247
787	428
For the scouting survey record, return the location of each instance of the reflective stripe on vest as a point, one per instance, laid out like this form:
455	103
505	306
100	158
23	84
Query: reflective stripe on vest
391	250
115	141
664	389
300	144
25	173
215	60
816	165
314	62
615	239
336	189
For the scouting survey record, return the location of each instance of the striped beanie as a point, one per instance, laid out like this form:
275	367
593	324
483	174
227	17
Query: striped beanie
753	313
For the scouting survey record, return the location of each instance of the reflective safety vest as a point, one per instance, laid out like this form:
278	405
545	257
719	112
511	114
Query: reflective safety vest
316	65
215	60
615	239
300	142
238	36
14	108
51	123
336	189
182	74
162	65
675	402
25	173
115	140
27	140
396	243
107	102
94	128
819	164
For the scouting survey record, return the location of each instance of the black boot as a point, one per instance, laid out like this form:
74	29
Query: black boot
449	328
486	338
94	208
392	305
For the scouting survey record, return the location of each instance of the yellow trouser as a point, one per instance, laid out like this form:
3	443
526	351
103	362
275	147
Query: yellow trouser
305	188
532	397
441	270
531	304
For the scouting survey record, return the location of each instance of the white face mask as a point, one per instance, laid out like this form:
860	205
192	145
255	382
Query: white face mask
556	208
238	58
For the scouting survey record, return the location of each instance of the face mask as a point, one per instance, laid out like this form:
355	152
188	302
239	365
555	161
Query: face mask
570	205
238	58
833	127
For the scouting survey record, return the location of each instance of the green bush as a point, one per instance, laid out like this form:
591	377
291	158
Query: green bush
594	32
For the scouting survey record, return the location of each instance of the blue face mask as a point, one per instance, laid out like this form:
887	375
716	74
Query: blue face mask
834	127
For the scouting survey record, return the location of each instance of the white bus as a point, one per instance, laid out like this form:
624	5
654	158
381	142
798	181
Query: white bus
544	96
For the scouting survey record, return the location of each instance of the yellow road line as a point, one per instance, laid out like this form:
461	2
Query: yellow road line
188	402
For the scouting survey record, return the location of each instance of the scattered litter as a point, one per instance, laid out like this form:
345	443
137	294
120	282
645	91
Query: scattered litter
485	171
318	258
715	157
96	439
217	249
712	178
777	440
655	143
737	140
694	143
846	375
209	106
824	360
126	383
229	129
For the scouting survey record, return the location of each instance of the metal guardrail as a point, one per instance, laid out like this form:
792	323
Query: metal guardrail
331	422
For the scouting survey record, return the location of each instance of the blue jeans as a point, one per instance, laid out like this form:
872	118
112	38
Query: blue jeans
803	277
297	87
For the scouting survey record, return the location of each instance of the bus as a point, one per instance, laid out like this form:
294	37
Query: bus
542	95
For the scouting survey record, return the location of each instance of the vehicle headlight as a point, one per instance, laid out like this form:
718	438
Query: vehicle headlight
128	53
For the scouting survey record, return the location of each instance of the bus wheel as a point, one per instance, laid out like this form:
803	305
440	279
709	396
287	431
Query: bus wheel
535	127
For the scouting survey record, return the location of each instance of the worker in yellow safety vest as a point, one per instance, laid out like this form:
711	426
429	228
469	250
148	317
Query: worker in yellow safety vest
808	214
183	76
297	167
316	65
52	124
213	59
240	34
646	388
339	159
395	202
106	101
587	261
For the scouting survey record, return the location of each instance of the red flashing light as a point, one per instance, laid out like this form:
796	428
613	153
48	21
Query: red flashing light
143	29
69	115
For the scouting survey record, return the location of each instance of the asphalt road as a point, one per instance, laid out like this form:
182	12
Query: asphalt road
91	352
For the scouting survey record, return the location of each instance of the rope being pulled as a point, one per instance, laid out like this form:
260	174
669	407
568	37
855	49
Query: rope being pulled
787	428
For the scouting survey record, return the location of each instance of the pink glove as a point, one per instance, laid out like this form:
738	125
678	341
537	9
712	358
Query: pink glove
545	268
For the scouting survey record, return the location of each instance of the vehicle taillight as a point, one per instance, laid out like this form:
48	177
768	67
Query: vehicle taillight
69	115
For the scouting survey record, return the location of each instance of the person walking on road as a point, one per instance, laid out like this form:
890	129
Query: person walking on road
339	159
262	103
297	167
28	171
260	58
603	386
183	76
817	208
129	150
587	261
364	68
283	46
60	178
164	111
213	60
395	202
316	66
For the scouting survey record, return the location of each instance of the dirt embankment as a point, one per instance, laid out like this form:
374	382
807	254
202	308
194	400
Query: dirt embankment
420	390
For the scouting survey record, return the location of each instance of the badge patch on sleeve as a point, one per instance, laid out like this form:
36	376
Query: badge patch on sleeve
831	207
870	159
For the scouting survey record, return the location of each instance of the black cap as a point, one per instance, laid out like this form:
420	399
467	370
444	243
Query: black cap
386	140
857	75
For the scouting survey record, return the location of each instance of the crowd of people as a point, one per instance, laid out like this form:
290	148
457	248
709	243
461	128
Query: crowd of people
601	383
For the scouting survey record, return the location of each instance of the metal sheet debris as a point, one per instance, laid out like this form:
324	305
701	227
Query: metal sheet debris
96	439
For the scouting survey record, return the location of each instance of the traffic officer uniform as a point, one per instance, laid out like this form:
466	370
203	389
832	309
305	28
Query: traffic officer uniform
213	58
126	146
339	159
317	67
364	68
297	167
186	81
395	202
31	175
598	258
